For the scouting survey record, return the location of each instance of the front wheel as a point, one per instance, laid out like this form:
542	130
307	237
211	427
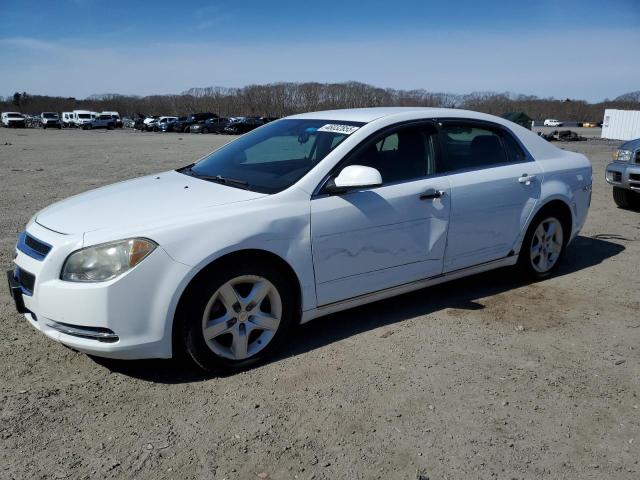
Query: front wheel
543	246
626	198
237	316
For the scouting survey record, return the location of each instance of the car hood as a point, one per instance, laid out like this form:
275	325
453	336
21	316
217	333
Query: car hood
139	201
630	145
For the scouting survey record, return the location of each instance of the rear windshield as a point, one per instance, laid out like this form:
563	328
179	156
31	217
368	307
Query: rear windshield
275	156
84	115
14	115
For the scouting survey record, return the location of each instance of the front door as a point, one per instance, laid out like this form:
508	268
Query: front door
369	240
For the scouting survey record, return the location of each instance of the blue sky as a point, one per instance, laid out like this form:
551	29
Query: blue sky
579	49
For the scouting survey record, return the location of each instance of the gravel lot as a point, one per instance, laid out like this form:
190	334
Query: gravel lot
482	378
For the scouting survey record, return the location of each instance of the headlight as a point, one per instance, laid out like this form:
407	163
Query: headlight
104	262
622	155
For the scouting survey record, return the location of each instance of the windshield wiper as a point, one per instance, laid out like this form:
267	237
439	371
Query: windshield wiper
225	180
217	178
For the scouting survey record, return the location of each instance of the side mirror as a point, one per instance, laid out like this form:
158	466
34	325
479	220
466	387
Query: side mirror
354	176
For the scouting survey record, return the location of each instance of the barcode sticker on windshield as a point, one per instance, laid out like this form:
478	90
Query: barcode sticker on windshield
338	128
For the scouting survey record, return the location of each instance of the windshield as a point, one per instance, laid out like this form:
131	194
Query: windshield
275	156
50	115
14	115
84	115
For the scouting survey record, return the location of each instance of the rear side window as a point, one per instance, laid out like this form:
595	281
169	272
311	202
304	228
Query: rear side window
514	150
470	147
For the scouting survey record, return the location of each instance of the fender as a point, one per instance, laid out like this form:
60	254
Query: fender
551	191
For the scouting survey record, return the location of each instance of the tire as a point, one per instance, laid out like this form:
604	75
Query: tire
626	198
205	130
544	245
111	126
225	293
44	127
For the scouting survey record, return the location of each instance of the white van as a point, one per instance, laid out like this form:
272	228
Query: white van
67	119
80	117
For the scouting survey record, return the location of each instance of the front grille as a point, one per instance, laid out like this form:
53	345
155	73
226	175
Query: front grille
35	244
26	280
638	156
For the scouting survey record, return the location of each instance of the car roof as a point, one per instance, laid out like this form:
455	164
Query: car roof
367	115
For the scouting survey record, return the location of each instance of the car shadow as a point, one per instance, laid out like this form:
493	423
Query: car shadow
585	252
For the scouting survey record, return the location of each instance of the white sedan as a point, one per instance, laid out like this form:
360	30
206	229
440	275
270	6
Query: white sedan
305	216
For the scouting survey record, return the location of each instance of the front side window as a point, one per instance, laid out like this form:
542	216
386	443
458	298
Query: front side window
468	146
403	154
274	157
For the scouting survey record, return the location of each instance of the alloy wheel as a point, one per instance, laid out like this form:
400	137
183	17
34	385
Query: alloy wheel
546	245
242	317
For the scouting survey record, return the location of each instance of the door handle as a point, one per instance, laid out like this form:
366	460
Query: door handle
431	193
527	179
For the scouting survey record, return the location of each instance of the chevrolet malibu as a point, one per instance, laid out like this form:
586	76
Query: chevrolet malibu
305	216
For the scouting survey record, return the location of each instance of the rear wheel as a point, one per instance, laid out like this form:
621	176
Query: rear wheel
237	316
205	130
626	198
543	245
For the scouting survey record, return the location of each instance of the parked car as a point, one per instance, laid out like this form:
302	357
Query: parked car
213	125
139	121
243	125
128	122
68	119
551	122
50	120
309	215
183	126
156	126
147	123
168	126
101	121
82	117
624	174
116	118
32	121
13	120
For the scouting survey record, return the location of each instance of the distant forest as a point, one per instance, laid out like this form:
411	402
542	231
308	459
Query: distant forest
281	99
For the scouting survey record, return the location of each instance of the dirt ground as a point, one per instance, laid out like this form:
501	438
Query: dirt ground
483	378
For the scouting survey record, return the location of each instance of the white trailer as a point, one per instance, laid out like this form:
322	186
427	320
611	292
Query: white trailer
621	124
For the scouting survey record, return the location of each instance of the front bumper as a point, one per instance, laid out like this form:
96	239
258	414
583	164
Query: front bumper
623	175
129	317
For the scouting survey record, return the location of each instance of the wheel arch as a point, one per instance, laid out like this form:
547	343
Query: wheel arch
253	253
556	203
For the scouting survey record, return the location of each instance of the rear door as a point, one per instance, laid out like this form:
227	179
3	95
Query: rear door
495	185
376	238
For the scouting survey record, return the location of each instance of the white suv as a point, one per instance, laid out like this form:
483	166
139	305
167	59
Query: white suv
551	122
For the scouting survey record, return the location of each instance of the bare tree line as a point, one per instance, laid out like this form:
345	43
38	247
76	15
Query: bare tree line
286	98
